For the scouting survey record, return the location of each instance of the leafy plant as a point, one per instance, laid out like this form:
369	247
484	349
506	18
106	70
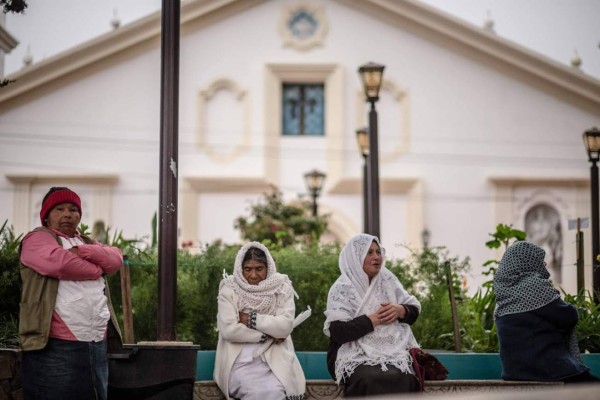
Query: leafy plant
423	274
9	328
504	235
10	283
588	327
478	312
273	221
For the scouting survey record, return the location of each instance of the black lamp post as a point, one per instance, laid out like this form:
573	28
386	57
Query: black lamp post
314	182
591	139
362	139
371	75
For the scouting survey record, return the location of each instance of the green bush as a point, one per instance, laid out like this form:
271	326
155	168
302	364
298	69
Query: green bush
588	327
10	286
423	274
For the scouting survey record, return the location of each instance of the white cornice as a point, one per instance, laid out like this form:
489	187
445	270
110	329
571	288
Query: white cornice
111	47
67	178
559	80
7	41
533	69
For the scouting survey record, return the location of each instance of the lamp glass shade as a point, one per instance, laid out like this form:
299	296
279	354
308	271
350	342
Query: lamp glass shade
362	139
314	181
372	77
591	140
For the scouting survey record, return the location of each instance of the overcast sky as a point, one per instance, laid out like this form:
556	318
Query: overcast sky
555	28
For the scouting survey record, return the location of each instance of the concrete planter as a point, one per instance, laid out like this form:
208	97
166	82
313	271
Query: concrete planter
153	370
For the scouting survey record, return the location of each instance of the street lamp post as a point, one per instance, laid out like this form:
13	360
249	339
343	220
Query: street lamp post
314	182
362	138
372	76
591	139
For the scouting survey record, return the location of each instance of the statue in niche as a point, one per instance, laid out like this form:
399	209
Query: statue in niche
543	228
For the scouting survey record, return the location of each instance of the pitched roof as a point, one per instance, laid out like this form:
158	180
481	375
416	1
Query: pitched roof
531	68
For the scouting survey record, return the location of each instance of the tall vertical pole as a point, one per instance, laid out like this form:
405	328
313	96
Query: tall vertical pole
580	259
314	205
169	158
595	232
366	227
373	169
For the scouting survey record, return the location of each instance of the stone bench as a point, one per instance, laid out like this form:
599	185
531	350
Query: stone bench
325	389
468	372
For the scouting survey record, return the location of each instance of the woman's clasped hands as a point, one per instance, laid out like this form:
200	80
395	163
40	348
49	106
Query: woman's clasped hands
387	313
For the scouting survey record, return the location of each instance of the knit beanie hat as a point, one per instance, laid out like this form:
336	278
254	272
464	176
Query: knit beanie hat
55	196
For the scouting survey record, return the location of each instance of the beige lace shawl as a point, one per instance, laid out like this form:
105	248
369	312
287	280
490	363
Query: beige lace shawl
265	297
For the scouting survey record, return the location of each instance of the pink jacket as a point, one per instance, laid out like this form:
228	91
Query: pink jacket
44	255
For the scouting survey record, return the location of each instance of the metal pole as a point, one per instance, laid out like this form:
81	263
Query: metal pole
314	205
373	169
455	323
580	259
365	193
169	136
595	232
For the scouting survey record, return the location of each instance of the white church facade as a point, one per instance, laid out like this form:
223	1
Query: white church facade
474	130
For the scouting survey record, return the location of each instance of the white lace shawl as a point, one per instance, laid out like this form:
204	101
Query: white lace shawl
265	297
351	296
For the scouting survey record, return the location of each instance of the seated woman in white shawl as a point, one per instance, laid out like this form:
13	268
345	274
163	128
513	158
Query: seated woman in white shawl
255	356
368	317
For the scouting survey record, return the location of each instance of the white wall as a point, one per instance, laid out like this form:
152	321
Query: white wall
467	122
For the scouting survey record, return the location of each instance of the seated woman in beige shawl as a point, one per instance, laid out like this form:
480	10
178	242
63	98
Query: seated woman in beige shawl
255	356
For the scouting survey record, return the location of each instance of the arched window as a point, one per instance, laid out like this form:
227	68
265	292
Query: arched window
543	227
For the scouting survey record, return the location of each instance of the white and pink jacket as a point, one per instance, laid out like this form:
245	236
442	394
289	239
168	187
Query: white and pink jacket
81	311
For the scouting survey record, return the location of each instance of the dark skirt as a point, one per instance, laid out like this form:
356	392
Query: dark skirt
370	380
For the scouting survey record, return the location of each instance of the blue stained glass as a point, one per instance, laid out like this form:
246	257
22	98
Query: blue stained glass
303	109
303	24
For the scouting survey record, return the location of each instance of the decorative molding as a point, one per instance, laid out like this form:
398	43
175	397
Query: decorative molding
412	188
204	97
513	197
193	187
476	43
113	47
303	26
227	185
539	181
401	97
389	186
531	68
64	179
101	195
7	41
329	74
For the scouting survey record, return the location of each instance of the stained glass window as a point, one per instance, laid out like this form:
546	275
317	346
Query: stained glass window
303	109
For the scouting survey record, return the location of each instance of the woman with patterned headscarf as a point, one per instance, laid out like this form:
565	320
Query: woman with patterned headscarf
368	323
536	328
255	356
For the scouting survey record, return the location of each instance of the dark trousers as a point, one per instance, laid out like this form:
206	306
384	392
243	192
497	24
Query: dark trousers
370	380
66	370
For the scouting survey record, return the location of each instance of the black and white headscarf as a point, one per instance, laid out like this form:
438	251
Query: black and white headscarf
522	282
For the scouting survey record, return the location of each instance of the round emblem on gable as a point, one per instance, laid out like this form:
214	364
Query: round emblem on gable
303	26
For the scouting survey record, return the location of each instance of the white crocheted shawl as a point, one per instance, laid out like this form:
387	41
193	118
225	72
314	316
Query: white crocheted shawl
265	297
351	296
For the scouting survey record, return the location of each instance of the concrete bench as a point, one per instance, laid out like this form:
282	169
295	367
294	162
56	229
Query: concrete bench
327	389
473	372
